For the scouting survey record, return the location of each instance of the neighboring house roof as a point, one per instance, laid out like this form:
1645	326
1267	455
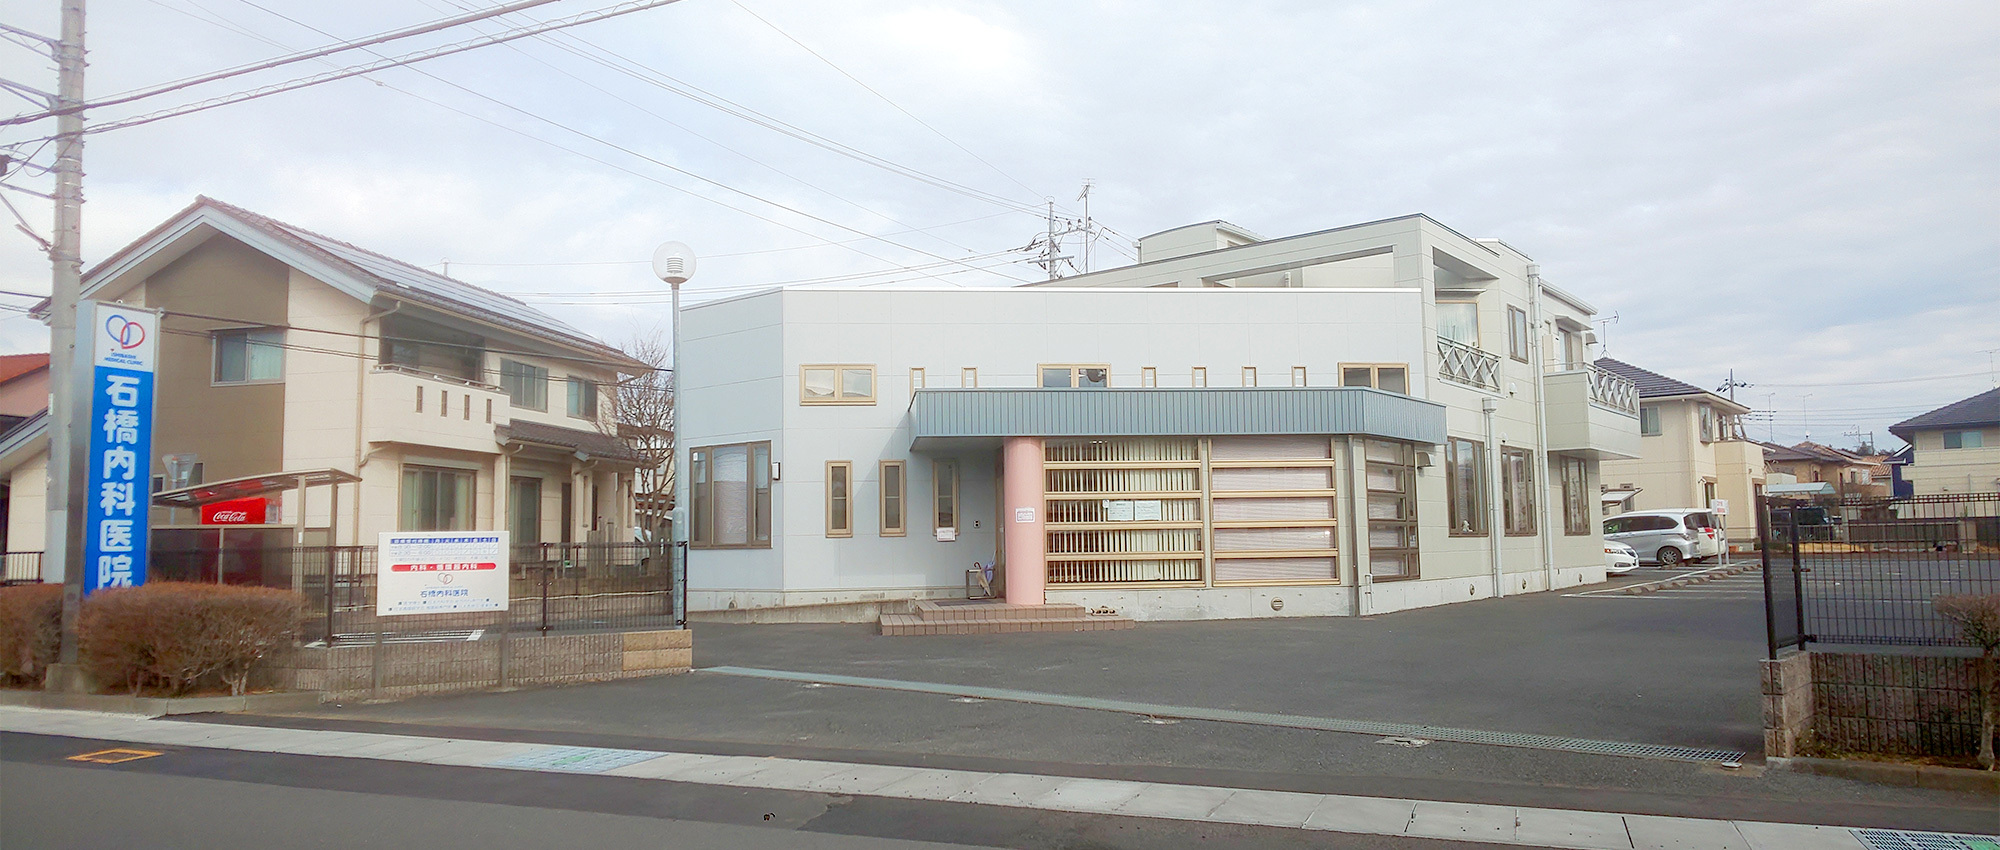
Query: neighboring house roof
1978	411
357	271
1655	385
592	443
1903	456
15	365
23	441
1812	452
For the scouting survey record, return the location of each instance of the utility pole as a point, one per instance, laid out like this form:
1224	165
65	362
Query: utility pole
67	462
1052	241
1730	385
1088	235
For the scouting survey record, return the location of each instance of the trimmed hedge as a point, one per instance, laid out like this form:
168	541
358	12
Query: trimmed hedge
175	636
30	631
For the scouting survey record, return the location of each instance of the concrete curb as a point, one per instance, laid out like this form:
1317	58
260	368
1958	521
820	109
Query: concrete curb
1889	773
1710	574
162	706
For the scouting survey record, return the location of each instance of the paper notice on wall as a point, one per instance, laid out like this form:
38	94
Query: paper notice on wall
1117	510
1024	514
1146	510
947	535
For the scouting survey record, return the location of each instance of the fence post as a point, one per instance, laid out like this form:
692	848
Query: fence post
677	585
332	567
546	569
1798	577
1764	548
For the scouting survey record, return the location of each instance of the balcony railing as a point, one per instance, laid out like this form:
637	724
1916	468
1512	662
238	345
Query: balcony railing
1467	365
1609	389
449	379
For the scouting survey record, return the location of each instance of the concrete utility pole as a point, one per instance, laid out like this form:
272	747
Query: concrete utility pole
67	376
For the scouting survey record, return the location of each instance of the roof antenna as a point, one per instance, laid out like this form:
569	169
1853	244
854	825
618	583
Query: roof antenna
1604	333
447	267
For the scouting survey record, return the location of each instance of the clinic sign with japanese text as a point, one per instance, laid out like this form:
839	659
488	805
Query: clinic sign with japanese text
441	572
124	344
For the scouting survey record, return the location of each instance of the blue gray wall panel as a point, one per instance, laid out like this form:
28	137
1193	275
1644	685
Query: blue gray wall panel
937	414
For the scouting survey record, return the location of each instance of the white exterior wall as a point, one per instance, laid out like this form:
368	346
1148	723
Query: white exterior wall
1935	469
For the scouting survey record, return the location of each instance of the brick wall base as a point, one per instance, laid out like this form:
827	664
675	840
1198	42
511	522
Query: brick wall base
1836	702
394	670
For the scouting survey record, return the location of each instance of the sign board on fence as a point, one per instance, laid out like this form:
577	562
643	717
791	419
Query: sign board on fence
116	495
441	572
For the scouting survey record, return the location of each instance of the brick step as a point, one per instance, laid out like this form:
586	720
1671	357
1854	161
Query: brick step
934	612
900	625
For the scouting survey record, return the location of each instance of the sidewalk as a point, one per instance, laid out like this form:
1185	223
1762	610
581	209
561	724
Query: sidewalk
1504	825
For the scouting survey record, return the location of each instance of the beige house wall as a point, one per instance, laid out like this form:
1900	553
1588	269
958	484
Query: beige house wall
1674	465
28	504
1936	469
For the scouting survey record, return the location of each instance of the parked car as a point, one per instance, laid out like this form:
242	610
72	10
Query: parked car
1619	559
1667	537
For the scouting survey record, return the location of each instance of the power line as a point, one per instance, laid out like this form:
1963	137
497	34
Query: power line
189	82
706	257
1878	383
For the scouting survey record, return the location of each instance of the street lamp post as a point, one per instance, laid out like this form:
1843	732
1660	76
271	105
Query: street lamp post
673	263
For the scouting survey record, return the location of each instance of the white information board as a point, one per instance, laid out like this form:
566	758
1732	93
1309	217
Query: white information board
1146	510
1719	507
441	572
1118	510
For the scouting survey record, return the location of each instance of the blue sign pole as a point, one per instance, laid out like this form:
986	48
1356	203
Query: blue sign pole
118	492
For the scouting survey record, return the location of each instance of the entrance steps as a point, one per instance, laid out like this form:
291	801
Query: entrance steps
990	617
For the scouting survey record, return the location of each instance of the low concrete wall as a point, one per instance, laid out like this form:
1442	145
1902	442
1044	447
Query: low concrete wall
390	670
1842	702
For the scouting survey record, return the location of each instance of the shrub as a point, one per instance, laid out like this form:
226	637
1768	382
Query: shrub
30	631
174	635
1977	616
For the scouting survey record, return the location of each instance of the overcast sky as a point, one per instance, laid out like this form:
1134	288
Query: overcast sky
1808	193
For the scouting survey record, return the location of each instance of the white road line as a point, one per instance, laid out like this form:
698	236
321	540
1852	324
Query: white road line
1507	825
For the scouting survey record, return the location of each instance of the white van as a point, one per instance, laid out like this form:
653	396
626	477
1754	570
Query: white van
1667	537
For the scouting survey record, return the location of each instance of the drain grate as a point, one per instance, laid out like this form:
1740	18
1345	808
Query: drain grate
575	759
1258	718
1896	839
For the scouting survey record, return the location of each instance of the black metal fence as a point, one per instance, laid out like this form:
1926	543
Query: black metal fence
1864	571
553	587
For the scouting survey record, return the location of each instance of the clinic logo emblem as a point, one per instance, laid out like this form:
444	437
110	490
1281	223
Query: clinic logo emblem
126	333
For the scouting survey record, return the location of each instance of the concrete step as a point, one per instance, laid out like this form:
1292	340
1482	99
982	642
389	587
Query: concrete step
902	625
983	610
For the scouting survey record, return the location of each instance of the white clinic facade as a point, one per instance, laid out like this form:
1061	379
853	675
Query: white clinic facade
1233	427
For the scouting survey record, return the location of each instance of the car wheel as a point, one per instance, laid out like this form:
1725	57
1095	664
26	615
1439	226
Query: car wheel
1669	556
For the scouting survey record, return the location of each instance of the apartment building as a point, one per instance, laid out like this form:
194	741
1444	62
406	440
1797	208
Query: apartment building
1692	452
343	393
1365	419
1955	448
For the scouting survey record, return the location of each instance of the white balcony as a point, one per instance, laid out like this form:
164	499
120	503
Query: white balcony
1592	412
1468	365
417	408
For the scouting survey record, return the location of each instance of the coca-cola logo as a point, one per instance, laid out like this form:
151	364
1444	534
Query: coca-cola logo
232	516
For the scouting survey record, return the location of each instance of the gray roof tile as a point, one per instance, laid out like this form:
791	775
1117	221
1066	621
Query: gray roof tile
1651	384
1978	411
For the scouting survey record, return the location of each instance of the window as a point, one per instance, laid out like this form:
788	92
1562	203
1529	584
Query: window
1458	321
1249	376
527	385
730	504
1149	377
891	475
436	499
837	383
1572	349
1298	376
524	509
430	348
1707	424
1964	439
1394	377
1517	491
1576	496
1392	509
1708	492
1649	421
249	356
917	378
968	377
839	498
1090	377
1466	486
1200	378
944	495
1517	334
582	398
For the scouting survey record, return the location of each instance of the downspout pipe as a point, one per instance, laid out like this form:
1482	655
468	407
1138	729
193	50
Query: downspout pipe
1536	357
1488	406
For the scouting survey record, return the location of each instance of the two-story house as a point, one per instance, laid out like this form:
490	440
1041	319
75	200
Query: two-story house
427	403
1847	473
1371	418
1692	452
1955	448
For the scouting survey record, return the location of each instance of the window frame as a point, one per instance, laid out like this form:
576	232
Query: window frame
506	383
1519	343
900	494
840	396
1298	376
582	394
916	378
1530	520
1475	525
1404	469
840	498
466	478
1375	375
515	504
757	502
247	333
1654	411
968	377
938	494
1075	375
1576	495
1250	376
1978	438
1199	377
1476	335
1149	377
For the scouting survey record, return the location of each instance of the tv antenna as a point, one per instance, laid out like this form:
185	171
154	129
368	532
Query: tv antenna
1604	333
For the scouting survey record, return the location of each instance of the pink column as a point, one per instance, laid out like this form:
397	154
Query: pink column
1021	519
